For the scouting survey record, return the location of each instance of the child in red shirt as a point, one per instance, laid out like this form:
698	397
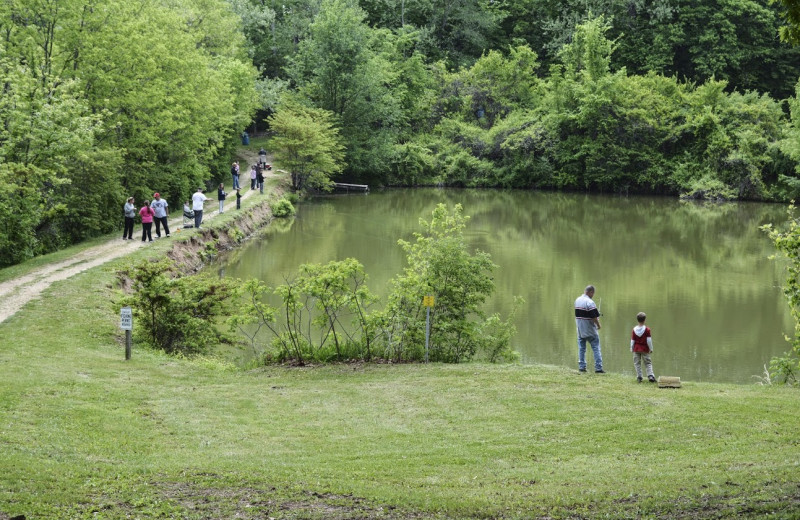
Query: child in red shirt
642	346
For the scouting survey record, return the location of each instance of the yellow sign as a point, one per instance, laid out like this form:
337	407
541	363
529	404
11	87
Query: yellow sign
427	301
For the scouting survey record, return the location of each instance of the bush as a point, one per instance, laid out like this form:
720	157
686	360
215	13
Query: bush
785	369
324	312
440	265
178	314
282	208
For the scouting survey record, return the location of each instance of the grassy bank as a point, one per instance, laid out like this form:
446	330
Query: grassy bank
85	434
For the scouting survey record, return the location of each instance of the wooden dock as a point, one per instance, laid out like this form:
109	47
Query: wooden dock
341	186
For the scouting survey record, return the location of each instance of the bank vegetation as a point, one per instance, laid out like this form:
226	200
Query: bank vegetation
110	99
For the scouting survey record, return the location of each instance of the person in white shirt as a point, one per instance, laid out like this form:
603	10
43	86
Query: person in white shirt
198	199
587	320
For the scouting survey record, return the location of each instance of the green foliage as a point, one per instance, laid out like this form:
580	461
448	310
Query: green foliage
110	100
178	314
354	72
786	369
495	335
236	234
210	250
324	315
587	127
282	208
440	265
307	143
791	12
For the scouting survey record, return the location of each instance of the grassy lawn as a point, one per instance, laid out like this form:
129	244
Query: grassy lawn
86	434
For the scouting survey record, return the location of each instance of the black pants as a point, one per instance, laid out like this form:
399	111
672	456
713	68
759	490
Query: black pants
127	231
161	221
146	227
198	217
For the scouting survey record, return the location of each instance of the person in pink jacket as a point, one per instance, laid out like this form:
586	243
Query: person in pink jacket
147	215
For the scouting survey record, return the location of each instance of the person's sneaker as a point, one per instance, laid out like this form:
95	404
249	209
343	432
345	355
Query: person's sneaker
167	235
639	379
581	370
652	379
601	371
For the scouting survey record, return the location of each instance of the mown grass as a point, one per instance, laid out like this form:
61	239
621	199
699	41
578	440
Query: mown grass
85	434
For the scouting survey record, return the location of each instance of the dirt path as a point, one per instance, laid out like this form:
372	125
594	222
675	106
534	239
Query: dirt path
14	294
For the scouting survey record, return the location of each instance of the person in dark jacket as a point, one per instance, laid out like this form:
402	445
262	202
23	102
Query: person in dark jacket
221	197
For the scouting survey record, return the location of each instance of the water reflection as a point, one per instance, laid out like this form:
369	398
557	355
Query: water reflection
701	272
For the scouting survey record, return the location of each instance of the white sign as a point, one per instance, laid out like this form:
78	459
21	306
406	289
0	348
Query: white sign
126	318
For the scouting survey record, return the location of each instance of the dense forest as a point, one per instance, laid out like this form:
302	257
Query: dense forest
104	99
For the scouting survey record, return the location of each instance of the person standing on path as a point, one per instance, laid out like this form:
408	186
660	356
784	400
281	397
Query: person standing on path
262	158
253	177
238	198
147	215
221	197
642	347
198	199
130	216
587	320
260	180
160	206
235	174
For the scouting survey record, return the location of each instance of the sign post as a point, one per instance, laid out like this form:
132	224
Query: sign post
427	301
126	324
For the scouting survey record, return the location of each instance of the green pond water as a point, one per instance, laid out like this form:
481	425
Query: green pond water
701	272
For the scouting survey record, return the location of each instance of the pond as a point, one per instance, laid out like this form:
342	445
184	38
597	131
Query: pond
701	272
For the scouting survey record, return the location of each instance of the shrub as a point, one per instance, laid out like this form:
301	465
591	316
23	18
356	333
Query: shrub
282	208
178	314
324	312
785	369
440	265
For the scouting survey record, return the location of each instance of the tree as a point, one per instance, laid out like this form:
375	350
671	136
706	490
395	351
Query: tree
440	265
125	98
342	67
791	13
307	143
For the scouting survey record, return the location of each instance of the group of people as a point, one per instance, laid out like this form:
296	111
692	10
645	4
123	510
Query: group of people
587	321
157	211
151	211
256	174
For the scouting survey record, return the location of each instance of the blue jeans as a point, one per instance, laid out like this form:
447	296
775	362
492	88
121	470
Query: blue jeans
594	341
235	181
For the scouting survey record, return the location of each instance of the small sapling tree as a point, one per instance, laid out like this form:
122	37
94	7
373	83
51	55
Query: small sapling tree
440	264
786	369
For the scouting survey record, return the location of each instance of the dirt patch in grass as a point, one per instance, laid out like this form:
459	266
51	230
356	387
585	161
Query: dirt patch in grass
204	501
